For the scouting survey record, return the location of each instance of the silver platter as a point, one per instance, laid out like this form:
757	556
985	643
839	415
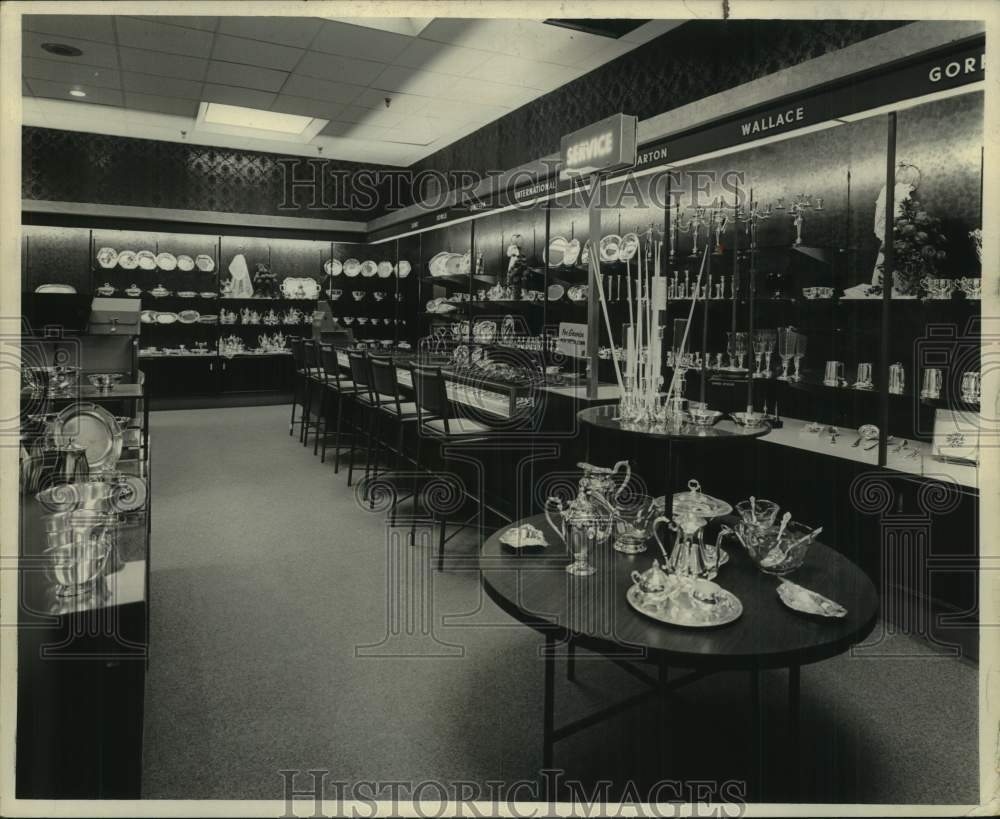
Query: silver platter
680	609
94	428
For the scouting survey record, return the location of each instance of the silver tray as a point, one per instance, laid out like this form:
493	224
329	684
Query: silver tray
94	428
703	505
681	610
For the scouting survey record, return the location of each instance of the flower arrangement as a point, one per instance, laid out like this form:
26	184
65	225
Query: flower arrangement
918	244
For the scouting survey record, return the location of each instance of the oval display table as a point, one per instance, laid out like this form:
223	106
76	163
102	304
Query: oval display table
532	586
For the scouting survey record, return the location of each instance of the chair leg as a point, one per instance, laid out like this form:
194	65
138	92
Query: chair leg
321	420
306	409
369	423
295	401
322	457
350	457
336	438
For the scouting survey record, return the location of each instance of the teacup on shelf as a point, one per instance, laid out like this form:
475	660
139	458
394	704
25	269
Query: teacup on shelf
971	286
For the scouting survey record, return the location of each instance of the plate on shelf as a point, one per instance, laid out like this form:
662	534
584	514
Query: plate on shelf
188	316
146	260
609	247
166	318
148	316
166	261
332	267
436	265
208	294
578	292
384	269
352	267
186	294
95	429
556	292
185	263
455	265
107	257
208	319
55	288
629	247
368	268
556	250
206	264
403	269
572	252
127	260
310	287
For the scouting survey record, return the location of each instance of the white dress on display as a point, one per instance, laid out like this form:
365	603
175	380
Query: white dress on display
241	285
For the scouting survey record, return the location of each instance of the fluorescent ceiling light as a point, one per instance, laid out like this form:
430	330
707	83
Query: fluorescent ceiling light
219	114
76	92
257	123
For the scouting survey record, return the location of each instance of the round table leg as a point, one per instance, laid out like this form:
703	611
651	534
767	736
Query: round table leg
548	715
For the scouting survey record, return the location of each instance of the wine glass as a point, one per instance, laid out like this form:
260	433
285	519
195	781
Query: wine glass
800	352
770	339
741	347
731	349
786	349
757	342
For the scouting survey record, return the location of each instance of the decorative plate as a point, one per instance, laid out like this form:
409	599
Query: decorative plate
55	288
107	257
384	270
185	263
166	261
208	294
352	267
556	250
455	265
572	252
127	260
697	604
166	318
146	259
311	287
436	266
186	294
368	268
577	292
95	429
403	269
805	600
206	264
556	292
609	247
148	316
629	247
188	316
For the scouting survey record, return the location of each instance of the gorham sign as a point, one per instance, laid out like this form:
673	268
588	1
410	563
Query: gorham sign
604	146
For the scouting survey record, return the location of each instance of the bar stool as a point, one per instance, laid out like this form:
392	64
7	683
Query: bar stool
335	386
314	383
366	400
436	422
298	380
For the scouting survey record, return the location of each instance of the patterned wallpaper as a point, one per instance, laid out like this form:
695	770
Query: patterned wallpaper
68	166
695	60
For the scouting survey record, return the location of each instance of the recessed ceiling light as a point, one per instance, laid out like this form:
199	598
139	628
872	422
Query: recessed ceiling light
76	92
61	49
254	122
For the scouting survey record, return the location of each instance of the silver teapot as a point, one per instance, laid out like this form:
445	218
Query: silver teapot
585	523
689	556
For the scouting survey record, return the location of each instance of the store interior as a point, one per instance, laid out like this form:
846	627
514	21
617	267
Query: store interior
315	488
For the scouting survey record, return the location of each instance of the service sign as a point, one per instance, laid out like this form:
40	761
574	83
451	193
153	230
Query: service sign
603	146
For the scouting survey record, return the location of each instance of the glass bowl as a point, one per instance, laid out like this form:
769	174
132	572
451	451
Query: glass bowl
761	512
776	557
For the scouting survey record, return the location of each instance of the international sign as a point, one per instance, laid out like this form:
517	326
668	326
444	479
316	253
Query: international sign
603	146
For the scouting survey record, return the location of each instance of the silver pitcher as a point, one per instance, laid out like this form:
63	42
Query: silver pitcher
601	479
689	557
585	524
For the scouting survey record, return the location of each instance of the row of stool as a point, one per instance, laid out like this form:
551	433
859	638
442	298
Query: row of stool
367	410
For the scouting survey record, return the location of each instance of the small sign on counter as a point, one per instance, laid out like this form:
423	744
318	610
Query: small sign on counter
572	339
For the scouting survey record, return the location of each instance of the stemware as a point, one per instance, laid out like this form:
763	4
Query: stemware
800	353
757	342
741	347
770	339
786	349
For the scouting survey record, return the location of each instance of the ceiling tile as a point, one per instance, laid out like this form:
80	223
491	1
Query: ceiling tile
65	72
99	54
358	41
317	89
346	69
60	91
161	86
140	33
290	31
254	52
204	23
444	59
245	76
168	65
303	106
490	93
463	111
590	58
161	105
403	103
372	116
80	26
229	95
412	81
520	38
526	73
408	136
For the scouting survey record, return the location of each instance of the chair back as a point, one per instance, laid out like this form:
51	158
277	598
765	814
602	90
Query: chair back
430	393
360	372
329	365
299	353
384	378
310	355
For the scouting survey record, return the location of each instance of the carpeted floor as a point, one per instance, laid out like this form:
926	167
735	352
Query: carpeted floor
270	652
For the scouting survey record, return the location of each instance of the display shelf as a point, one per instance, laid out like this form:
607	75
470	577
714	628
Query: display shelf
459	281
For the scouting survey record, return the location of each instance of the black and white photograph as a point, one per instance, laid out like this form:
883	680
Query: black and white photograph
529	409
